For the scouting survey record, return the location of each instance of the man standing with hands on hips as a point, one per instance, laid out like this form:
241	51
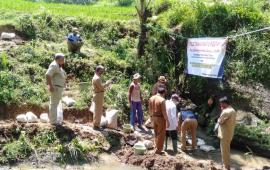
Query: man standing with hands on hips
157	111
98	96
56	81
226	127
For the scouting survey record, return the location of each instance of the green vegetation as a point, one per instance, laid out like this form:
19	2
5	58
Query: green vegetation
76	151
68	10
111	35
16	150
256	135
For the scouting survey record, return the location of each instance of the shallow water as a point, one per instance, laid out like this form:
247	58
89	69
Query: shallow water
107	162
239	159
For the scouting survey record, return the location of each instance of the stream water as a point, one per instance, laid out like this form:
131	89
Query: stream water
107	162
110	162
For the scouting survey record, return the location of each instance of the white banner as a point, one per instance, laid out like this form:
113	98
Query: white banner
206	56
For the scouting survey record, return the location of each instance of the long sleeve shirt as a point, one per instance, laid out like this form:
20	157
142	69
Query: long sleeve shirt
227	122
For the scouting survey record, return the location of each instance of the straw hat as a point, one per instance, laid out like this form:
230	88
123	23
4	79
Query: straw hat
136	76
162	79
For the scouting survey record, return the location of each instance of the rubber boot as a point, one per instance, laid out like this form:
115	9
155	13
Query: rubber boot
174	142
166	143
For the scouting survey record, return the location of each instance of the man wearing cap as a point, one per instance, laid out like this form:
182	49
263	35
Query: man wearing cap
98	96
56	79
135	101
226	127
74	41
188	123
162	82
172	114
158	114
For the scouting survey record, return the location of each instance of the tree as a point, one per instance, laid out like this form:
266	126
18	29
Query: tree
143	12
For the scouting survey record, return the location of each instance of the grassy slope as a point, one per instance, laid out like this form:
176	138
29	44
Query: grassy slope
97	11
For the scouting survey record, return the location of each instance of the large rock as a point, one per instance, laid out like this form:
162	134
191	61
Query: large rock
247	118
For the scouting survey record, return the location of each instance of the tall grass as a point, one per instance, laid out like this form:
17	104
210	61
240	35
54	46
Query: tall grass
88	11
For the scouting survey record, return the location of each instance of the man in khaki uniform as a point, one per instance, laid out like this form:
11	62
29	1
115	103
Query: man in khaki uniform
56	79
157	110
188	124
98	96
226	127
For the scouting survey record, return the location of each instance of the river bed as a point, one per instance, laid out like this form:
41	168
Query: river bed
106	162
111	162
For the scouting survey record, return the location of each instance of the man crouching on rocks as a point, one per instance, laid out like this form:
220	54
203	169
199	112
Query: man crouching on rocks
157	110
56	81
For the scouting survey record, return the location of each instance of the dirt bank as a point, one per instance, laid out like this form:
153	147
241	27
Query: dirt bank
20	38
112	142
71	114
165	162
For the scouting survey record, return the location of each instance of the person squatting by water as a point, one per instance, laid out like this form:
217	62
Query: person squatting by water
135	101
56	81
226	127
172	130
98	96
205	112
157	111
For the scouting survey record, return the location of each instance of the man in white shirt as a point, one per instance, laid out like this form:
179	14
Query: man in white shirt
171	131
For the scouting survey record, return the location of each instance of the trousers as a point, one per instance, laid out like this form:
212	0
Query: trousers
74	46
55	99
97	104
136	112
159	124
225	151
190	126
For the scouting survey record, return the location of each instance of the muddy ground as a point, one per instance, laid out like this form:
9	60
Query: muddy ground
190	160
123	151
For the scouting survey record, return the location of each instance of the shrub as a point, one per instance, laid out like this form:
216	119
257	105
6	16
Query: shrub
125	2
160	6
17	150
17	90
82	2
255	134
250	60
44	138
76	151
42	26
3	61
8	83
108	37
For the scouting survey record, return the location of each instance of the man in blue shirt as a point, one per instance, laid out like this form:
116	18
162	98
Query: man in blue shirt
188	123
74	41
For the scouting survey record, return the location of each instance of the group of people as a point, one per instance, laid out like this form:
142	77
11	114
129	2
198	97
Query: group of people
166	121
